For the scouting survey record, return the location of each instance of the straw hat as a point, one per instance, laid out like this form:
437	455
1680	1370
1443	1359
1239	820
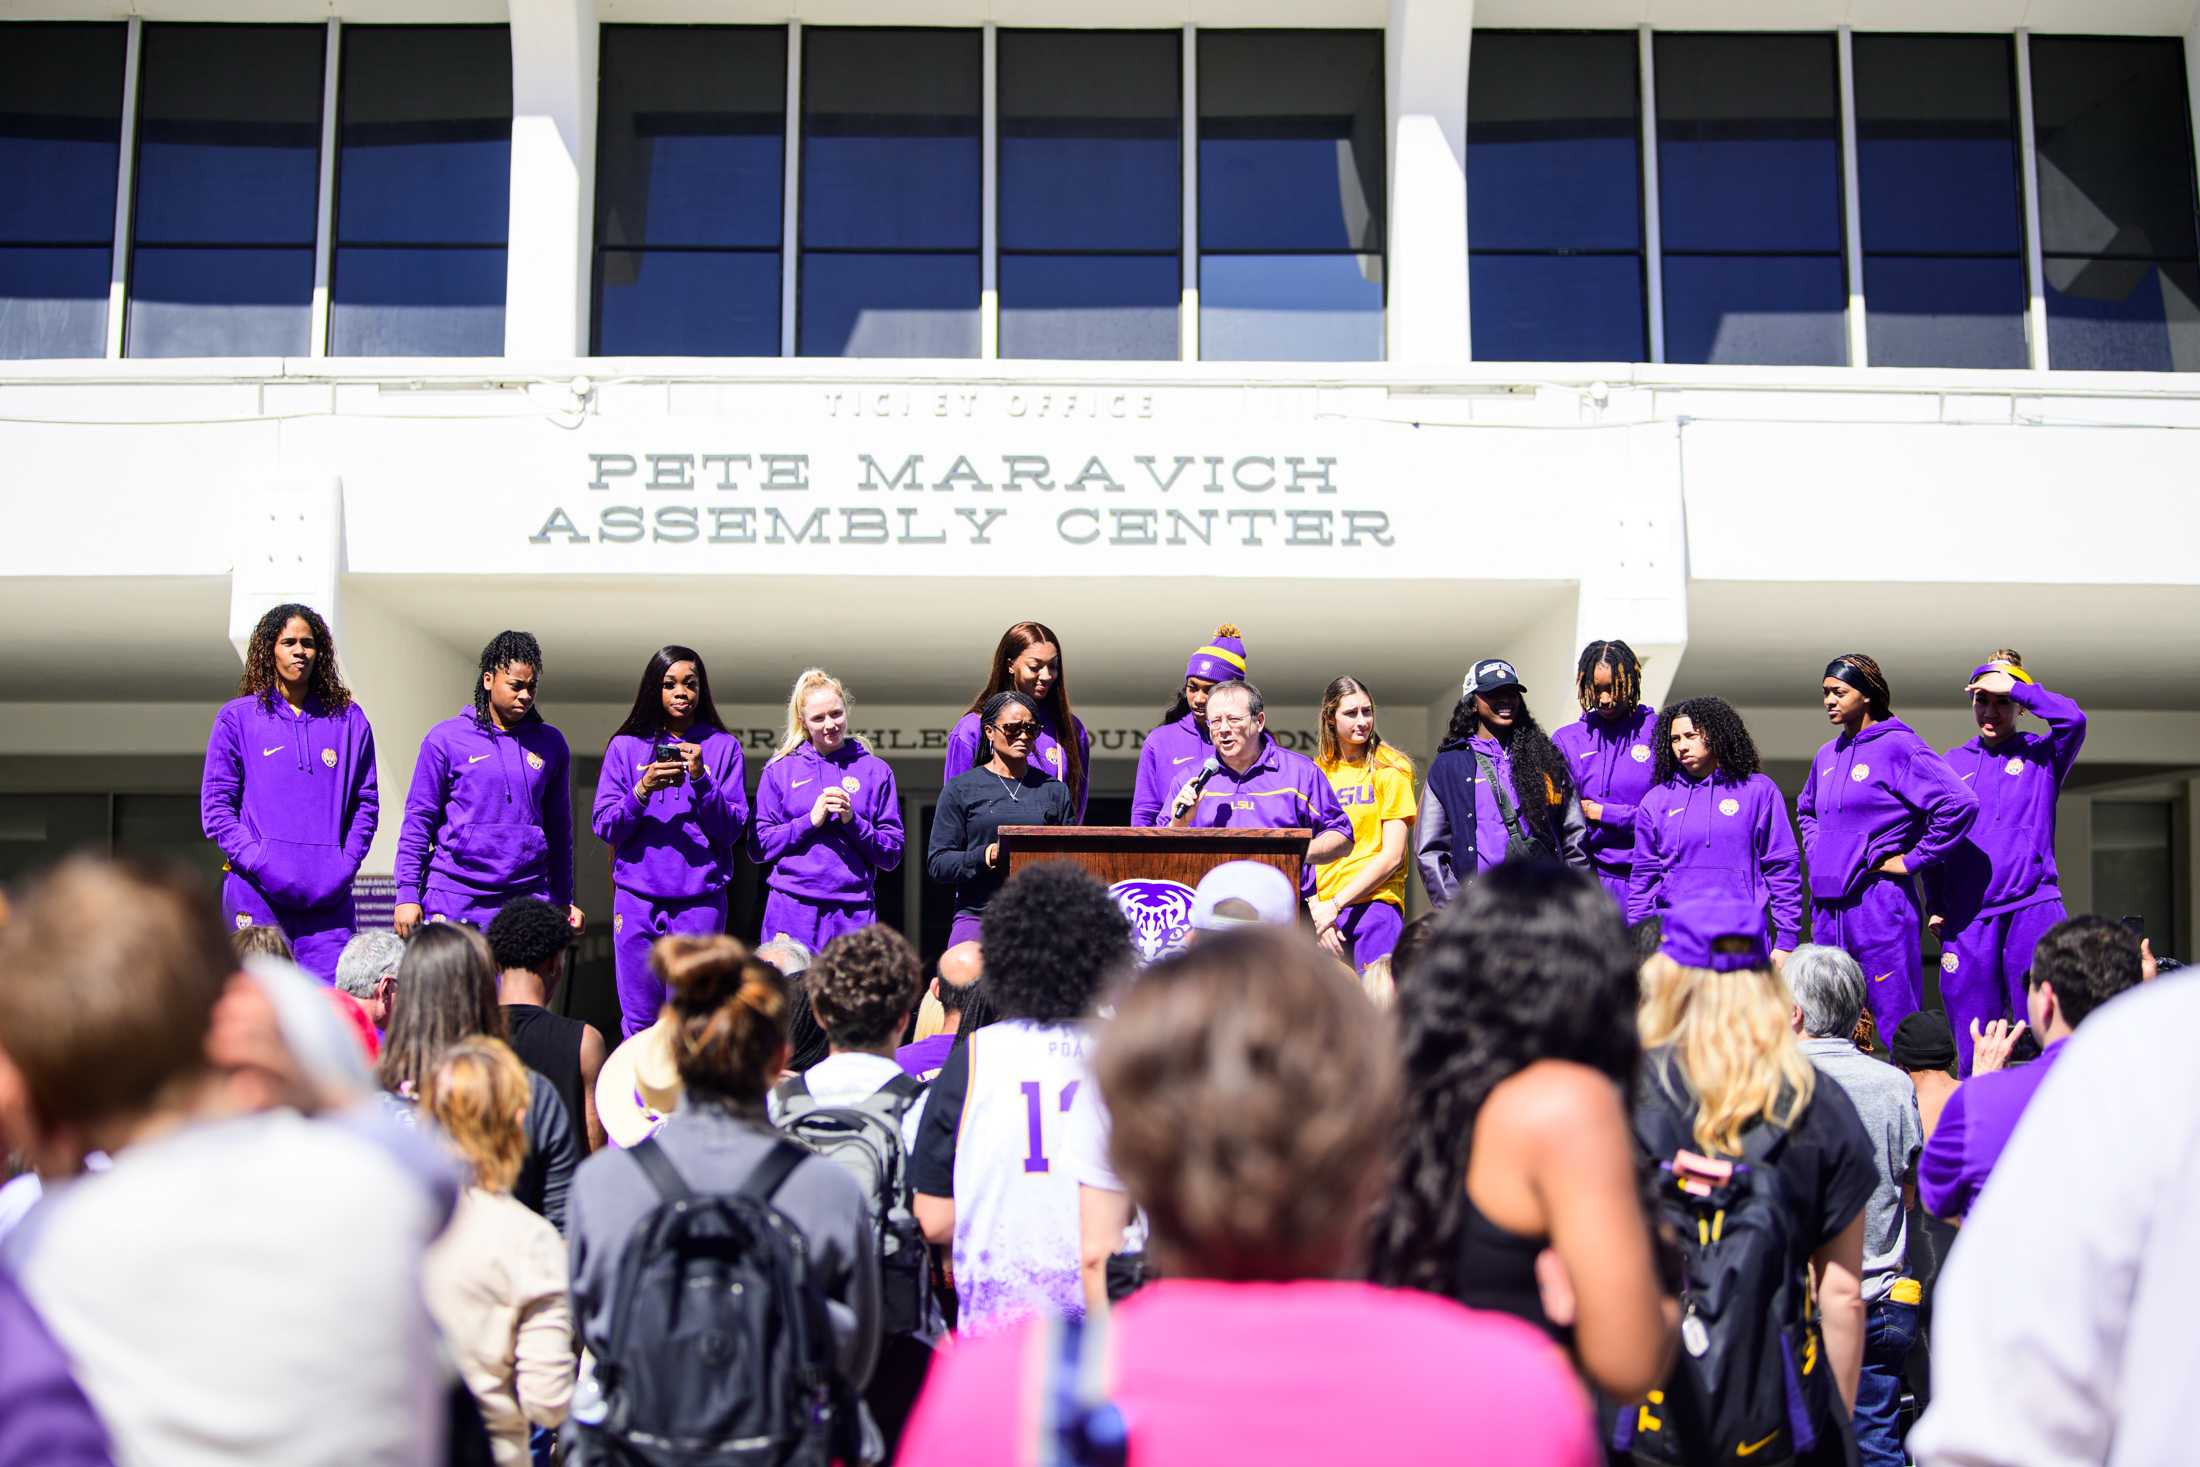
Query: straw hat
639	1085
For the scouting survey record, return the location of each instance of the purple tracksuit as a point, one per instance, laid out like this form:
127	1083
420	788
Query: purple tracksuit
671	856
1170	753
1717	838
489	818
824	877
290	798
1612	763
966	742
1998	891
1883	792
1280	790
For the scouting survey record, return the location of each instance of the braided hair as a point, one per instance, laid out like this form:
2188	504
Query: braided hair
1877	695
1626	675
1540	778
505	649
1529	963
323	685
989	716
1728	737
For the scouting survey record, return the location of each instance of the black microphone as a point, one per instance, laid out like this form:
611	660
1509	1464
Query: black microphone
1189	796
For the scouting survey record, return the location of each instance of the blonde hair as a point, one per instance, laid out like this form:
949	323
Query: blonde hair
478	1093
810	681
1732	1036
2004	654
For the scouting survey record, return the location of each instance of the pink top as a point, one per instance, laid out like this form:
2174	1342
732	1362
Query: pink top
1313	1372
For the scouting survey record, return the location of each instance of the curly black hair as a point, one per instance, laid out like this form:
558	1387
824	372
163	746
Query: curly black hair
323	685
1053	940
863	986
1626	675
528	932
1529	963
1716	720
504	649
1540	778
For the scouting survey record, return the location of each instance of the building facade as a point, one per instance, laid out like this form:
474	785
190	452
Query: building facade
846	333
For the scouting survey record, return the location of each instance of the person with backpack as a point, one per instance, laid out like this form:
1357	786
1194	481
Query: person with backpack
1761	1171
1498	789
860	1108
714	1234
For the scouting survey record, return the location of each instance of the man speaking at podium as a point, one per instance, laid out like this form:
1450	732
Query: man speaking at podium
1252	781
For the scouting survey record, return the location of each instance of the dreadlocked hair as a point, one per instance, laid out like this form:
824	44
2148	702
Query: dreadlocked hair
1183	705
1529	963
505	649
1539	775
1722	728
1626	675
323	686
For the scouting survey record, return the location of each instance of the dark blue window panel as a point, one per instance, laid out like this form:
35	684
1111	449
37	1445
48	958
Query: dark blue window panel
1936	137
1749	150
692	132
188	302
891	154
1097	307
1754	310
60	132
687	303
1091	146
1554	141
53	303
229	134
417	303
1291	140
1556	308
1290	308
425	138
2123	315
1926	312
885	305
2115	147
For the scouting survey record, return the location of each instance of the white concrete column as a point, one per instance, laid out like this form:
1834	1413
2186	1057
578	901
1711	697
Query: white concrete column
1426	78
289	534
406	681
547	264
2074	850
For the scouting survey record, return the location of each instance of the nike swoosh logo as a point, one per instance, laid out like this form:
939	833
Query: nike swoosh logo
1745	1449
1967	776
1588	753
475	758
1676	811
800	782
276	750
1882	977
1188	758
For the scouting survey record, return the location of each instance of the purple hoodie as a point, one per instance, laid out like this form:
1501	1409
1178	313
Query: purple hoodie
290	798
679	844
2007	860
966	739
1883	792
495	808
839	860
1612	763
1170	753
1717	837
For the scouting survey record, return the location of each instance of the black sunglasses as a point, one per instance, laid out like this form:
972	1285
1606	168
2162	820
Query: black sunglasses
1016	730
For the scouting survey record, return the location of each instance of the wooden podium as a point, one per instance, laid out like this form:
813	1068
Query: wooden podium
1116	853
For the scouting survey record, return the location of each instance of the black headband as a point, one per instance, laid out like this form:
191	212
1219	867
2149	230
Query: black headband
1845	671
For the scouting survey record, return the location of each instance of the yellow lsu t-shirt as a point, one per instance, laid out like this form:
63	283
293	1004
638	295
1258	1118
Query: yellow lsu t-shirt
1369	796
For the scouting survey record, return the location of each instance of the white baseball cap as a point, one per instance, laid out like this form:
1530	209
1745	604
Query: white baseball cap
1243	894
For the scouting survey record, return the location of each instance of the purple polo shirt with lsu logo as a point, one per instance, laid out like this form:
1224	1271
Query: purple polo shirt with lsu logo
1279	790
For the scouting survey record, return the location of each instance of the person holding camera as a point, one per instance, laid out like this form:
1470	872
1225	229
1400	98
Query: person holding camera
671	805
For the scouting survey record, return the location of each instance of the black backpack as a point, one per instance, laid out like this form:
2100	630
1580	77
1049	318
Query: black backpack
1750	1384
865	1139
720	1349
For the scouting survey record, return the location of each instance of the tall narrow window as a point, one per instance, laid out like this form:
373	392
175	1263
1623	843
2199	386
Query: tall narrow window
1749	173
1091	193
423	191
690	149
1943	210
1554	196
1291	195
2116	203
228	189
891	161
60	151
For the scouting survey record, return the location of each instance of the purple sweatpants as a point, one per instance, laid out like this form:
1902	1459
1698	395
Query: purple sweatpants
811	923
636	923
437	905
1879	928
1982	970
1370	931
965	928
317	934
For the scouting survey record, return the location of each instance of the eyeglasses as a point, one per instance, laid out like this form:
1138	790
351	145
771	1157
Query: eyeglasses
1016	731
1231	720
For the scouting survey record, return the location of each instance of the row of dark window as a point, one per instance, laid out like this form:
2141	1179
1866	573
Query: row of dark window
691	161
